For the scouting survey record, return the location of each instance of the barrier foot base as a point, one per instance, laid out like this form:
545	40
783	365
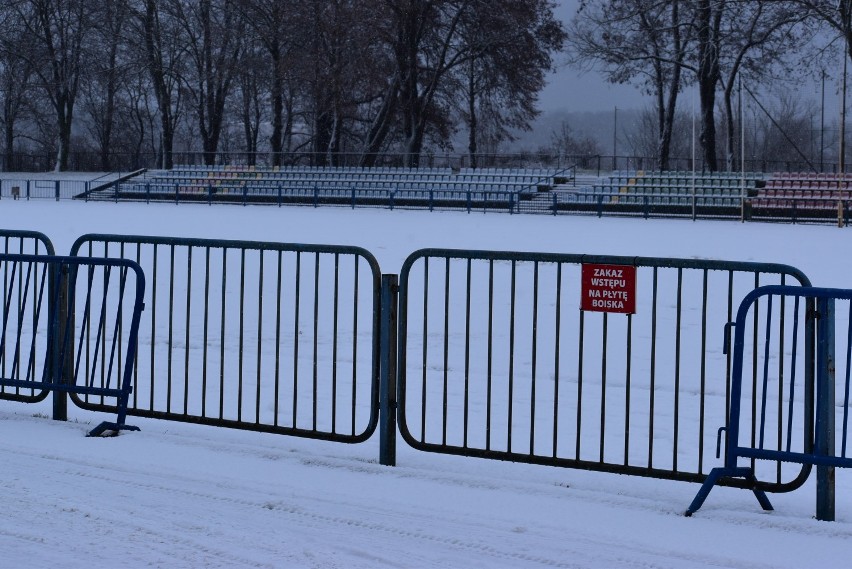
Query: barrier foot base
109	429
718	473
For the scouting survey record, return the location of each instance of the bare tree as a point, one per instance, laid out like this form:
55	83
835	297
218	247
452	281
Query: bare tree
58	30
212	30
157	38
272	25
505	72
645	42
16	73
108	72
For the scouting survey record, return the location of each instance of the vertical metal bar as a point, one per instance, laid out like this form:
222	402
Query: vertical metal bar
628	357
186	336
703	379
556	346
60	279
315	366
171	327
581	334
388	399
653	370
425	351
296	300
137	358
794	351
278	295
676	417
755	365
511	356
729	361
534	355
825	409
765	387
444	403
604	342
222	333
154	281
259	370
846	383
206	331
467	350
780	405
241	343
488	394
355	342
334	334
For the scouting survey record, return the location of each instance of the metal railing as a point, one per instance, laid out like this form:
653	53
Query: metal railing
271	337
41	349
496	361
493	358
21	243
801	406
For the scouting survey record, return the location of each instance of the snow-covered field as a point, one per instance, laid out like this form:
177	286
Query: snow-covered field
176	495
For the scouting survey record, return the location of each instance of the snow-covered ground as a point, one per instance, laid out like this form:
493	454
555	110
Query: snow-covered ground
177	495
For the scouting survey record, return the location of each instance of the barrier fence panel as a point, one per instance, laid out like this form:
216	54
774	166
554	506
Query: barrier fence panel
69	325
497	359
262	336
821	412
21	243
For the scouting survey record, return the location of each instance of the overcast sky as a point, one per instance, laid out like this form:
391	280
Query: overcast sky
571	90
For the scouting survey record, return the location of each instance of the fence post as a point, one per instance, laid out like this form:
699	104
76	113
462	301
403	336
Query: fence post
28	190
57	190
825	409
387	381
279	195
555	205
61	372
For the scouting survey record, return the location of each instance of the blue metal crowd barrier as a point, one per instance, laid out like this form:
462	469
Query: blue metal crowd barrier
69	325
804	407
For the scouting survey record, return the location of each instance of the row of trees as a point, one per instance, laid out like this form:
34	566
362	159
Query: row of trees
665	46
326	76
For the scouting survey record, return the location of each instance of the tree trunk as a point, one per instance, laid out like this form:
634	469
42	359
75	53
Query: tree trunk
708	78
381	125
472	119
276	139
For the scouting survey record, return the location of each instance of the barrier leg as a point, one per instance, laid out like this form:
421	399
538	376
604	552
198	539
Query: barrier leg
713	478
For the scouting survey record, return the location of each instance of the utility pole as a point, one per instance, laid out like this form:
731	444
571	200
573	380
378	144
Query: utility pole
614	136
822	124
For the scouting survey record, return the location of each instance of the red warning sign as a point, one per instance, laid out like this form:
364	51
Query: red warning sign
609	288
